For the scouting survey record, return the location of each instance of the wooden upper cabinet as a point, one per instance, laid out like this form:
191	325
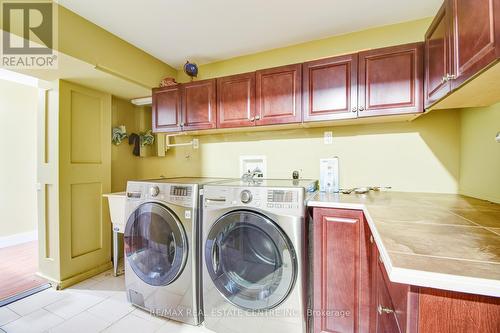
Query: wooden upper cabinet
199	107
391	80
438	57
166	109
330	88
236	101
476	26
279	92
337	282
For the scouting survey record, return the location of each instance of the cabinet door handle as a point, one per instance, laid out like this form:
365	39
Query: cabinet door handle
361	108
448	77
354	109
382	309
257	117
340	220
252	119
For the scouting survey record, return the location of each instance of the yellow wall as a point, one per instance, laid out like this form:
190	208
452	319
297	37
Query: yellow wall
124	165
88	42
395	34
480	154
18	108
417	156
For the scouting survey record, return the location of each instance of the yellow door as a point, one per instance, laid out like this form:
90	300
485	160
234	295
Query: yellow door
84	175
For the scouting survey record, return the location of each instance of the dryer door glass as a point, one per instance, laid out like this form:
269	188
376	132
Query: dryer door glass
250	260
155	244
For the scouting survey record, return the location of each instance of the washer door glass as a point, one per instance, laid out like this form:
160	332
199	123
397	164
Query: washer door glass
250	260
155	244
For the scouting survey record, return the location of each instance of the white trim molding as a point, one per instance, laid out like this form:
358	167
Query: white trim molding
17	239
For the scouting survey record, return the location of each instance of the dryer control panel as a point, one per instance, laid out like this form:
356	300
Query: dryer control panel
278	200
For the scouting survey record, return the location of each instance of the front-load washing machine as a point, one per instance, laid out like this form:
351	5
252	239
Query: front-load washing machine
254	273
162	267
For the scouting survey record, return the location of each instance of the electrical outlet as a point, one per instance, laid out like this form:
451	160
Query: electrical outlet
196	143
328	139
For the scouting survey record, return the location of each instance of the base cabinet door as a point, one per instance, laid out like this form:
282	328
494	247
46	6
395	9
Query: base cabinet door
476	26
236	101
386	317
438	57
336	270
166	111
279	95
199	105
330	88
391	80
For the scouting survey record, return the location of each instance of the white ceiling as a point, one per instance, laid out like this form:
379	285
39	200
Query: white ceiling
204	31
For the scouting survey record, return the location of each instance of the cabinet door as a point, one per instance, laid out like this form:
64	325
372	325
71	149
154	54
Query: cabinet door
390	80
330	88
236	101
438	57
199	105
336	270
476	24
166	109
279	92
374	275
386	317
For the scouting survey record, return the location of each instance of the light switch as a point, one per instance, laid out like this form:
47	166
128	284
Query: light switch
328	138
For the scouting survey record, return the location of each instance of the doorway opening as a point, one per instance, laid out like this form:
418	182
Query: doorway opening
18	183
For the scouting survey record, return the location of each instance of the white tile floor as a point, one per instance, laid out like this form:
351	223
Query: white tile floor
98	304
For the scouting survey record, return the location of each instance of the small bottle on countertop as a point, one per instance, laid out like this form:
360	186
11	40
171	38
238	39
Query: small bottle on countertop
329	175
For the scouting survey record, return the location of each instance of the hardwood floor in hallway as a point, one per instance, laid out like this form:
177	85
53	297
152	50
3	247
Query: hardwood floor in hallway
18	265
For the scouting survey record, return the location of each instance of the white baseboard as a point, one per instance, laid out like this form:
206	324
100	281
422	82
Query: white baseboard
17	239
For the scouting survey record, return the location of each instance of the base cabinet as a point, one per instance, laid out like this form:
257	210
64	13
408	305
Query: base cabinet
339	274
352	291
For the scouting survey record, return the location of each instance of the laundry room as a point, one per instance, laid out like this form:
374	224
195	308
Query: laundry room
184	167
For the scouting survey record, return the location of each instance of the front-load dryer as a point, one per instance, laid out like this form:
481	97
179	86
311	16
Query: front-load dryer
254	273
162	268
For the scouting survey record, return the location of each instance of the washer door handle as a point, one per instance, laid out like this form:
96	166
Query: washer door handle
215	256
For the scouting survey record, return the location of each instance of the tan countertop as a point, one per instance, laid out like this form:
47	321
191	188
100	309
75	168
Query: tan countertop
440	241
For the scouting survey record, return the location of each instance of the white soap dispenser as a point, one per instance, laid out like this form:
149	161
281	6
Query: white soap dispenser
329	175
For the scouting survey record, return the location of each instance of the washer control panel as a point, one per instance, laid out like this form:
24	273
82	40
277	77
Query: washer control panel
179	194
